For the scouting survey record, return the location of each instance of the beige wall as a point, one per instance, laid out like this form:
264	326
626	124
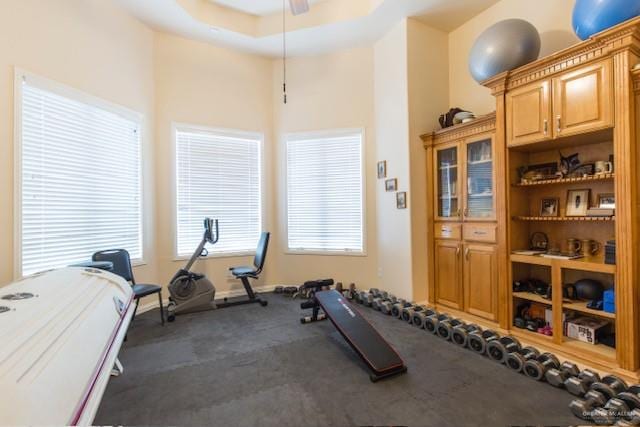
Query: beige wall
200	84
552	18
326	92
392	136
92	46
427	70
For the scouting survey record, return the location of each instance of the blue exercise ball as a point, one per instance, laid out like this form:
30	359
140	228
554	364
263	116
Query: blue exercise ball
504	46
592	16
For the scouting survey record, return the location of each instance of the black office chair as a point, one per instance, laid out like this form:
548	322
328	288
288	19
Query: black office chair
122	267
245	273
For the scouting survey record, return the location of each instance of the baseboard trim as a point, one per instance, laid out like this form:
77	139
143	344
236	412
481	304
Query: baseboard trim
143	308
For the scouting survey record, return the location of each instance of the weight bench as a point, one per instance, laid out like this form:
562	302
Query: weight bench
366	341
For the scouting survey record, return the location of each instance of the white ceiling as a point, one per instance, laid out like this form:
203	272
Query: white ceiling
331	25
256	7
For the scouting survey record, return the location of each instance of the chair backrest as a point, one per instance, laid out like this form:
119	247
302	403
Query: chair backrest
261	251
121	262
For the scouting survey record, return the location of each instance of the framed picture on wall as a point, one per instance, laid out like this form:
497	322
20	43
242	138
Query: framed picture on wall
607	201
401	200
382	169
391	184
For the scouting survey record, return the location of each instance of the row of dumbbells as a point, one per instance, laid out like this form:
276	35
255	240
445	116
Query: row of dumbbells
605	400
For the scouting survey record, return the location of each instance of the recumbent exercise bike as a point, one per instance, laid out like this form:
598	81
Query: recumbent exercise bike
193	292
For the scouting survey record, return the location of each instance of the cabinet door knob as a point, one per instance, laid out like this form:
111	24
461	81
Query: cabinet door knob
458	250
559	121
466	212
458	212
466	253
545	125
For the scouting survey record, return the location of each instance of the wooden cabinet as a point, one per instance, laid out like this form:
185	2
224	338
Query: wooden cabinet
529	113
480	279
574	102
464	238
448	273
582	100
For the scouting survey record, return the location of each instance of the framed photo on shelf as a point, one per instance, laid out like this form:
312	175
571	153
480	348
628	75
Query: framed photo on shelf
382	169
391	184
577	202
607	201
550	206
401	200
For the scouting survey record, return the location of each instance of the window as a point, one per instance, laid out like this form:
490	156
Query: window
78	176
219	175
325	192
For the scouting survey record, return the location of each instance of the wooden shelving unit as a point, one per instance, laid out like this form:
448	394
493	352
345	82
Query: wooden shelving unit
529	296
581	306
597	350
592	264
565	218
591	178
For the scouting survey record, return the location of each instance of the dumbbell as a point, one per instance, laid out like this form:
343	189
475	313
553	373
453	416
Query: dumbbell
445	327
609	386
387	304
579	385
368	300
431	322
460	333
622	405
583	408
407	312
375	292
376	303
633	419
557	376
396	310
538	367
419	316
478	341
517	359
499	349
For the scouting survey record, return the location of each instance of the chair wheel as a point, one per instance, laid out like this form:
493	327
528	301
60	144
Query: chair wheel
264	303
171	317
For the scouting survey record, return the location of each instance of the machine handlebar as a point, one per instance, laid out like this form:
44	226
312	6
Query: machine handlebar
210	235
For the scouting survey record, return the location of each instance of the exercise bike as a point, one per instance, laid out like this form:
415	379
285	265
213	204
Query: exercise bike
193	292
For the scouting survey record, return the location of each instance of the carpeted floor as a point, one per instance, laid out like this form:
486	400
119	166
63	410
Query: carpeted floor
255	366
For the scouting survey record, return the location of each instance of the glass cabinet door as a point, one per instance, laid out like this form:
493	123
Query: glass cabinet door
479	170
447	164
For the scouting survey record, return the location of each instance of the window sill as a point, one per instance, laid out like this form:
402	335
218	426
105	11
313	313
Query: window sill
325	253
216	255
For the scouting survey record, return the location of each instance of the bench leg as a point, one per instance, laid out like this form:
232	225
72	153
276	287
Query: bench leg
161	308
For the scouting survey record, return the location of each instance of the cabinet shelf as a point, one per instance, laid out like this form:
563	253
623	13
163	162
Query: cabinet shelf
565	218
591	264
603	177
581	306
600	350
529	296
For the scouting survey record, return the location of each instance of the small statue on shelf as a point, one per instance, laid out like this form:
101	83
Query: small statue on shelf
569	164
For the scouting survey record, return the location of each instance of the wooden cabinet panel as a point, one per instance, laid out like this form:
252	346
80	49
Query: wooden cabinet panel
479	233
582	100
448	272
481	280
529	114
448	231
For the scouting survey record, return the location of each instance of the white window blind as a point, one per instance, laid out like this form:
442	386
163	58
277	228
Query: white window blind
79	177
325	192
218	176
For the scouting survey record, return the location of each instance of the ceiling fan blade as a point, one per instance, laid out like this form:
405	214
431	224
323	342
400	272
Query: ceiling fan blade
298	7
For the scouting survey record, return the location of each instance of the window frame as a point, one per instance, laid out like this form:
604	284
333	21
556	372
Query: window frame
187	127
77	95
363	169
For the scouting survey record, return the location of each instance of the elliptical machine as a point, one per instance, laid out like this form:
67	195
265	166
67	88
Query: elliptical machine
192	292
